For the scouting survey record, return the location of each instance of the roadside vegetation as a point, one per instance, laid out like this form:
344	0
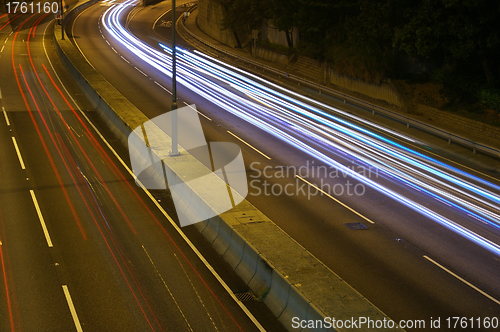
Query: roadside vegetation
450	44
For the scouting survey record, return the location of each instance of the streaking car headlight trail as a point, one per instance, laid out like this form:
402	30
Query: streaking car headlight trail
313	128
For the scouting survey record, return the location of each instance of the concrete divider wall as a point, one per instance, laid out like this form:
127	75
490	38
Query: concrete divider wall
272	56
210	16
291	281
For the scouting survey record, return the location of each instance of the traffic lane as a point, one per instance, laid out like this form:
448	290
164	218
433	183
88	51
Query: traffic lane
260	311
211	107
128	211
51	201
35	298
136	238
47	186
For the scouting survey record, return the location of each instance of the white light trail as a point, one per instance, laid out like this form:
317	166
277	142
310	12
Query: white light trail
303	123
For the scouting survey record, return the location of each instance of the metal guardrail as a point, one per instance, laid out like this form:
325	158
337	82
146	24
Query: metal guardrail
410	122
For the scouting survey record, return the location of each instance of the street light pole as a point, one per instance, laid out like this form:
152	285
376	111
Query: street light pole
174	151
62	20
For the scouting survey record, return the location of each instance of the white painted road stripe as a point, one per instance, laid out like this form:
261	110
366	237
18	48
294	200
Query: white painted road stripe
18	153
230	133
0	93
336	200
6	117
2	48
44	227
72	308
140	71
462	280
161	86
203	115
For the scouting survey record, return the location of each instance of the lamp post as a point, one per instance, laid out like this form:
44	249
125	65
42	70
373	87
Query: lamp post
175	151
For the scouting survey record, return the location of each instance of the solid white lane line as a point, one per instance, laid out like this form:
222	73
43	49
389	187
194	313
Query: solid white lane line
230	133
146	191
72	308
18	153
74	40
42	221
336	200
462	280
159	17
203	115
6	117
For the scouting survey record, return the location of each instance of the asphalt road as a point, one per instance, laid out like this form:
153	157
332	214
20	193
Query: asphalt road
386	263
82	247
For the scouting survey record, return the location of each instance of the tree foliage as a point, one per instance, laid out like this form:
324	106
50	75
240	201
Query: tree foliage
365	38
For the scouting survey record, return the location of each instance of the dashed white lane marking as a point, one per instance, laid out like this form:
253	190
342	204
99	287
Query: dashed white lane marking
203	115
72	308
164	88
140	71
336	200
5	115
230	133
462	279
124	59
40	216
21	161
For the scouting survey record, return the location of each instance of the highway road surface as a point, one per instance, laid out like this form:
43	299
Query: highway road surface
430	242
82	248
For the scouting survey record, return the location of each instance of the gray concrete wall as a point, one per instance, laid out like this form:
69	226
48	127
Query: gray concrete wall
460	122
319	73
271	33
209	20
263	53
